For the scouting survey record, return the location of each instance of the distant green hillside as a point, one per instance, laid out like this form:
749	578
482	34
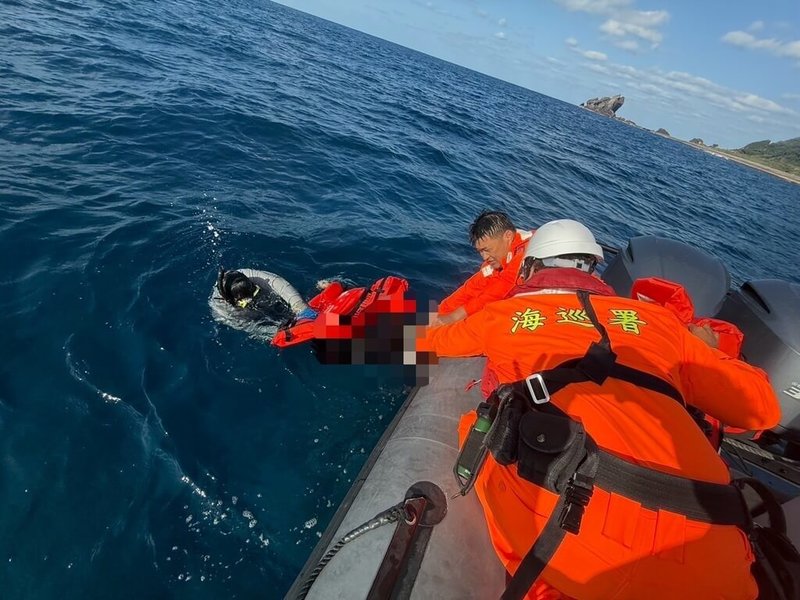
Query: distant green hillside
778	155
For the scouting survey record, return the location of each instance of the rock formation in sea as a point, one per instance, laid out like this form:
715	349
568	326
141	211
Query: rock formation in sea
608	105
662	131
697	141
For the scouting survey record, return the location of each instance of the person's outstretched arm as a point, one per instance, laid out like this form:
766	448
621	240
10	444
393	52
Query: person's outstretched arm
730	390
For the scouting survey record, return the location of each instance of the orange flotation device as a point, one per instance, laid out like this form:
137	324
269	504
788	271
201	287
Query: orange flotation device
340	312
674	297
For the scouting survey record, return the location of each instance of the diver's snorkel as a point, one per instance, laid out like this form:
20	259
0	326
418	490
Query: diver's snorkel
220	280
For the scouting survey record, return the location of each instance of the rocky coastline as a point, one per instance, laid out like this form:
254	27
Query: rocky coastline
609	105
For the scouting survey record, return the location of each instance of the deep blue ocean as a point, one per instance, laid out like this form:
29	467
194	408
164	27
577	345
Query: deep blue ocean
145	450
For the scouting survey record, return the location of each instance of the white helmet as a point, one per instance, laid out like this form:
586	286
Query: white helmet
561	237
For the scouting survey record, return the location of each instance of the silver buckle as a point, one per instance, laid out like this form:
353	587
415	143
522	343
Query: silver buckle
534	396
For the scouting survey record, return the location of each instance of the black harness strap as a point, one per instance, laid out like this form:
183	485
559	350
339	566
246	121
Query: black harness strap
565	518
575	371
368	296
362	297
537	557
713	503
647	381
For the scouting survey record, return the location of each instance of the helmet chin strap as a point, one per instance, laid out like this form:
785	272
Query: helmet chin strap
526	269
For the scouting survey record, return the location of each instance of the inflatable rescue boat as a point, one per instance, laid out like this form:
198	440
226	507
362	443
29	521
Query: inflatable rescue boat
403	531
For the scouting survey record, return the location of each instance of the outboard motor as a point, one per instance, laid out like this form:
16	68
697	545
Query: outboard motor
768	312
704	276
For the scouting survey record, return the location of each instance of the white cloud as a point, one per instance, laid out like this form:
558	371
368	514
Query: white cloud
792	49
623	23
649	88
756	26
502	22
647	18
627	72
572	43
599	7
617	28
501	35
748	40
754	101
771	45
791	96
594	55
600	68
627	44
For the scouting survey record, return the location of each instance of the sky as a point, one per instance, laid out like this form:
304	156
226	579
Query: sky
724	71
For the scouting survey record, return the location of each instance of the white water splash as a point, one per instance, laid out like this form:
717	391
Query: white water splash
110	398
195	488
209	218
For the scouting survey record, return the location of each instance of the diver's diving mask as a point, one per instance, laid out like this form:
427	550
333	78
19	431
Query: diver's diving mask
244	302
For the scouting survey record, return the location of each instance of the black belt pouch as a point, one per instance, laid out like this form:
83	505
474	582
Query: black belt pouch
550	449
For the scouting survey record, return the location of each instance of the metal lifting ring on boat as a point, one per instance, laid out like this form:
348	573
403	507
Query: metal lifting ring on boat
409	514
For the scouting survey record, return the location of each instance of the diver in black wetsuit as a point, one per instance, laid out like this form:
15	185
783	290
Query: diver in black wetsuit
255	303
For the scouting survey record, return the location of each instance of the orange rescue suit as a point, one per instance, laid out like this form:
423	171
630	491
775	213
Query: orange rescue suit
488	285
623	551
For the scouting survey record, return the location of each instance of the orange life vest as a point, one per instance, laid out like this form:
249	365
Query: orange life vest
488	284
386	294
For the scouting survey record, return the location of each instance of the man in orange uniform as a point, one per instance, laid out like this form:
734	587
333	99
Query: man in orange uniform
501	247
622	549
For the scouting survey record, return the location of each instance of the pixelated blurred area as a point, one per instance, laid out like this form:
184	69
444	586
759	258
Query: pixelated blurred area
384	335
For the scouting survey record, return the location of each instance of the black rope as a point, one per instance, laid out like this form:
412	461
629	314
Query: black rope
383	518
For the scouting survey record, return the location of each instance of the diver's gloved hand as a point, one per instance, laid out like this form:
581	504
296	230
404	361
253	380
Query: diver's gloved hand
307	313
